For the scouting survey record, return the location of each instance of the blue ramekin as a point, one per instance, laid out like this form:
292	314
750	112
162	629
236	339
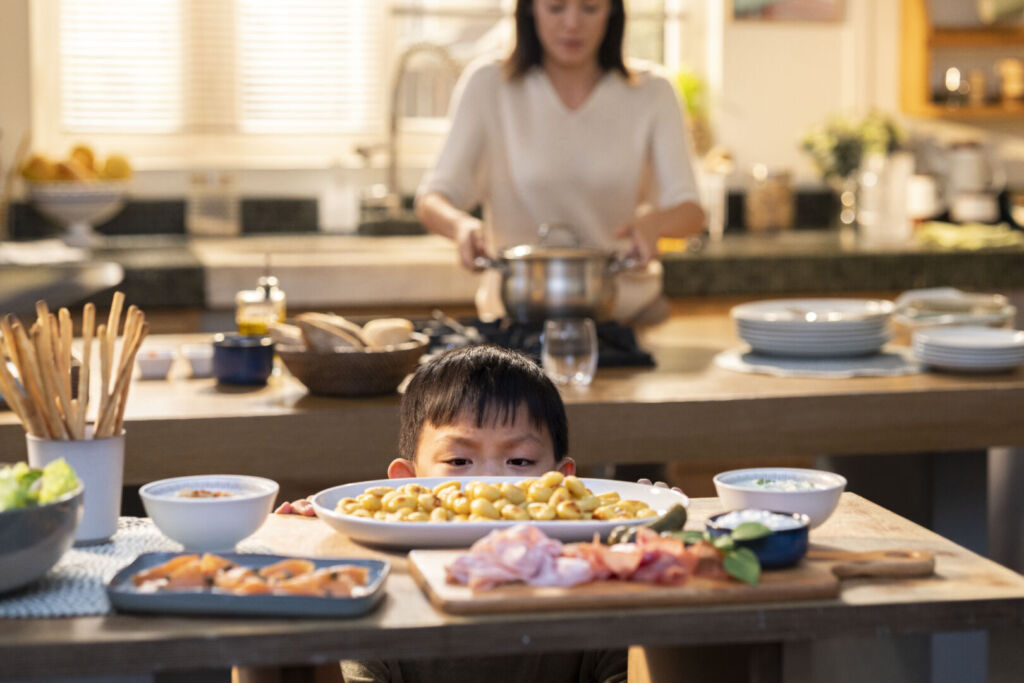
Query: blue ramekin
242	359
779	549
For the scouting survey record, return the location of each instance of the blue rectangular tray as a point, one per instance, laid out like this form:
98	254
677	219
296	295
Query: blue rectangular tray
127	597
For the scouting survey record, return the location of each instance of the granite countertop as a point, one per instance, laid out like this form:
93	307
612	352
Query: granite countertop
323	270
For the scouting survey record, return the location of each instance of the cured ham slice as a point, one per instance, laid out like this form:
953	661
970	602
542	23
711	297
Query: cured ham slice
520	553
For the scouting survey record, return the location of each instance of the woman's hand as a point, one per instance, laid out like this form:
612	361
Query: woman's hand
644	236
469	239
644	231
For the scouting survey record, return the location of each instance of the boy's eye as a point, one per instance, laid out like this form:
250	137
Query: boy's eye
458	462
521	462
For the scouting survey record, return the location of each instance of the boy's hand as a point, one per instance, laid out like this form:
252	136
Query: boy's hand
658	483
303	507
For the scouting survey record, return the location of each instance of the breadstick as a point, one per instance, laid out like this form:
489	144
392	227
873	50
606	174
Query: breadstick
28	370
30	417
123	378
11	393
88	327
67	334
60	376
142	331
114	322
37	353
44	358
101	336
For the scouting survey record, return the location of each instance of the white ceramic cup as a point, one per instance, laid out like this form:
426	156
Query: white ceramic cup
99	464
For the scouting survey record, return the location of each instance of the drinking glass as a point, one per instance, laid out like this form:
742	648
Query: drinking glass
569	350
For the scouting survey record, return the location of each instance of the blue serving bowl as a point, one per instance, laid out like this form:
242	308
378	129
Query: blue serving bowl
242	359
779	549
33	539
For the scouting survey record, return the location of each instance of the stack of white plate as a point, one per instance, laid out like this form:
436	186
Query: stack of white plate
970	348
815	328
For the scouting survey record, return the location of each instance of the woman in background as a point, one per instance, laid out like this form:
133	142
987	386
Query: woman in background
562	132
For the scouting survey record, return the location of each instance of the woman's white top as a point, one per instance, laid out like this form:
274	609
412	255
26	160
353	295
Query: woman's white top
515	148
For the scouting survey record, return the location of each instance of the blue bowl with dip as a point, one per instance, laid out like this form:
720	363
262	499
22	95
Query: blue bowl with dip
242	359
784	547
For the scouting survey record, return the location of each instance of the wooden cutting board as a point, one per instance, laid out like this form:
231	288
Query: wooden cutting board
808	581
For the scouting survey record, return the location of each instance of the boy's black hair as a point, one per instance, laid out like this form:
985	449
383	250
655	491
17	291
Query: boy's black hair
486	382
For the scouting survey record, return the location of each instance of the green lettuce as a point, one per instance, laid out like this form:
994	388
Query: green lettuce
23	486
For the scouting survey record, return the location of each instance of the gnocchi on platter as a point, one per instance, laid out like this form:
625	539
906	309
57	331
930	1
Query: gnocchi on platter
550	497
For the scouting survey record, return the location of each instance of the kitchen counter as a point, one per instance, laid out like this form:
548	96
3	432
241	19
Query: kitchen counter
336	271
684	410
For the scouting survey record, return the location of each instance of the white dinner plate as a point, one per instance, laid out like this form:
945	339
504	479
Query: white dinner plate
971	337
463	534
814	335
815	339
968	354
970	367
795	313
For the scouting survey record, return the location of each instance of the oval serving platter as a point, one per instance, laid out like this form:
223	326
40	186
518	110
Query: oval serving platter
462	534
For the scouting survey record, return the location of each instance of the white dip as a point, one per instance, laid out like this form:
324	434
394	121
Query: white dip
771	484
772	520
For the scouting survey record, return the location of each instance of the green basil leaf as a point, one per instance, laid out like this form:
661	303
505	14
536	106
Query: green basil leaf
750	531
742	563
723	542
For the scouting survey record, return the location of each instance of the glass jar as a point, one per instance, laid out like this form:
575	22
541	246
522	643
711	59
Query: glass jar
255	308
769	204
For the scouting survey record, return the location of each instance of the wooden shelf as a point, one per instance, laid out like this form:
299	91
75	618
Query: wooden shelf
919	41
976	37
988	112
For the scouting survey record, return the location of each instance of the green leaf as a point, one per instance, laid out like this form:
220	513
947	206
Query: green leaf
742	563
750	531
723	542
687	537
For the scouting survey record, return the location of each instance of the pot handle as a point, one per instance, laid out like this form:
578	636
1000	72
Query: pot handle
485	262
622	263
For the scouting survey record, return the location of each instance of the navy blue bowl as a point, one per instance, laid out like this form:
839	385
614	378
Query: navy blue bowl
779	549
242	359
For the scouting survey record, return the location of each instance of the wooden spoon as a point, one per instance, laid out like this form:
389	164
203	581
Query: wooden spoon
884	563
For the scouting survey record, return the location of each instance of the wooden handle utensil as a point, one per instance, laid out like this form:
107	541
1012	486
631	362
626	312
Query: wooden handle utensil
879	563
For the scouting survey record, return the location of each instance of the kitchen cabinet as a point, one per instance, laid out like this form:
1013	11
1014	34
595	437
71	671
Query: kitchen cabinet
922	43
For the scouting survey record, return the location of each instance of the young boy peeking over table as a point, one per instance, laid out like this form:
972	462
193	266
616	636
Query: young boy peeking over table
485	411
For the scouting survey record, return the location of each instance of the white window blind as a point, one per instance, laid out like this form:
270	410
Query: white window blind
219	66
120	65
308	65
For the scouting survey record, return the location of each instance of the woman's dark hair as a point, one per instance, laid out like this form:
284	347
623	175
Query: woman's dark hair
528	52
486	382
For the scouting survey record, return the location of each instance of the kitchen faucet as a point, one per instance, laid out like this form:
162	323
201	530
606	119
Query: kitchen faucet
387	200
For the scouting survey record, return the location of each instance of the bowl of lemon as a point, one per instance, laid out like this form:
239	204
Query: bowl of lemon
79	191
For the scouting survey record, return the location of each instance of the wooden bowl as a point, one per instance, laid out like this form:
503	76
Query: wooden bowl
354	372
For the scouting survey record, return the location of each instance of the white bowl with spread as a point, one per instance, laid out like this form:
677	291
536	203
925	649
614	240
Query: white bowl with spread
155	361
200	358
814	493
209	512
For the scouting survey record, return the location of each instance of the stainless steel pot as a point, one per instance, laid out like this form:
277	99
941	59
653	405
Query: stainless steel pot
540	282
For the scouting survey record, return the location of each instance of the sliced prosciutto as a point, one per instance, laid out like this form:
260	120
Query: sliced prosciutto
521	553
524	554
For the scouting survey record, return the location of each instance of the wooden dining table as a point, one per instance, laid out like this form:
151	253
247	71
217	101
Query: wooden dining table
966	591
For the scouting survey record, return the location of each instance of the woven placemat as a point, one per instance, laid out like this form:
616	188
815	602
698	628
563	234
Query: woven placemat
76	586
892	361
